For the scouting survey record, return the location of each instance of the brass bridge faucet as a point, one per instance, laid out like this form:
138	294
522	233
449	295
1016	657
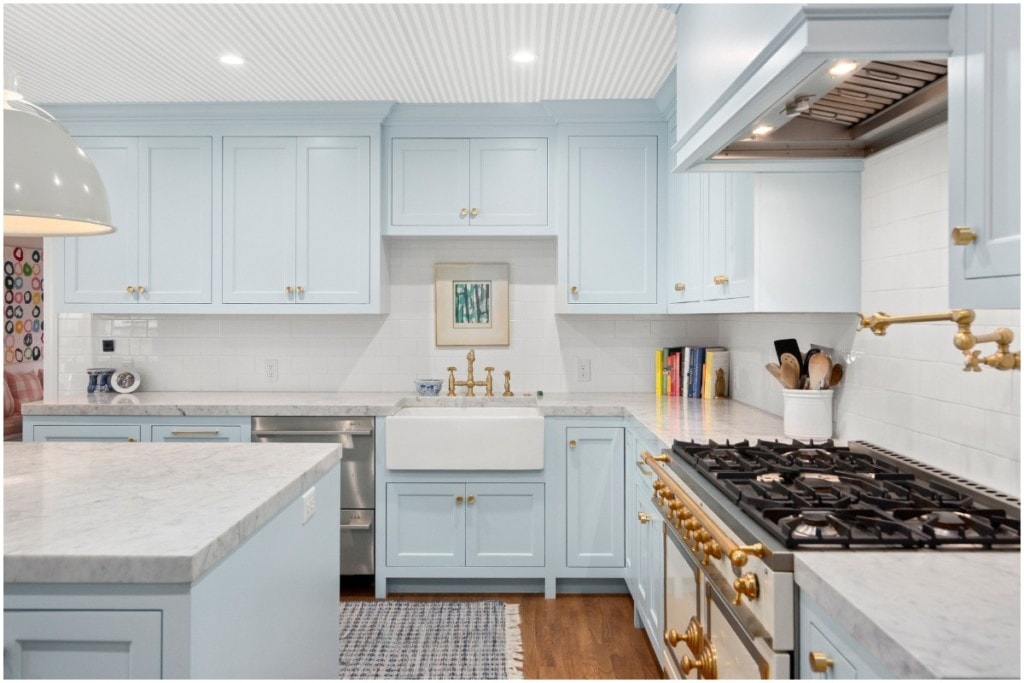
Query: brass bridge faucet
964	339
469	382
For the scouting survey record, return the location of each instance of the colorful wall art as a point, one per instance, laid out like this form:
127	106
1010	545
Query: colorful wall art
23	304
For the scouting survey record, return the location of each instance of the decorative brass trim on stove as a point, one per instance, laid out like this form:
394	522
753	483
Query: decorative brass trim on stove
964	339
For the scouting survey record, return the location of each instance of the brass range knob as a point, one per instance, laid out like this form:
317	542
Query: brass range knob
820	662
963	235
706	664
700	536
689	527
746	585
693	636
721	280
711	549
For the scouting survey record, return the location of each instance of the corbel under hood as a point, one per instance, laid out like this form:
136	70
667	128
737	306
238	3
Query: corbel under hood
896	88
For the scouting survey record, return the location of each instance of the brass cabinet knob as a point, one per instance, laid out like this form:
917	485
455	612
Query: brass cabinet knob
680	287
820	662
458	500
693	636
131	440
643	517
963	235
471	500
745	585
463	212
572	443
288	289
300	289
474	211
574	290
142	290
130	289
721	280
706	664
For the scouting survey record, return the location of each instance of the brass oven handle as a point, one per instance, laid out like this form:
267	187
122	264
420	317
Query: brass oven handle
746	585
737	554
820	662
706	664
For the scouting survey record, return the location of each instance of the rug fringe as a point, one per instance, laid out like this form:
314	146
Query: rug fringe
513	643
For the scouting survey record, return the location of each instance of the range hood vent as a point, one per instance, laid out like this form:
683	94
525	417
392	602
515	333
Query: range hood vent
878	104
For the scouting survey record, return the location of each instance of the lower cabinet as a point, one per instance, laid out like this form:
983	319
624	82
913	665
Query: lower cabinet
827	651
595	497
109	428
465	524
92	644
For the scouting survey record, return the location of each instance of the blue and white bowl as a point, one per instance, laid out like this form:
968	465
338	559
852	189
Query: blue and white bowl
428	387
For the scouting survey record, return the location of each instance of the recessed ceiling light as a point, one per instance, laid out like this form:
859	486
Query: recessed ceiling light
523	57
231	59
842	68
763	130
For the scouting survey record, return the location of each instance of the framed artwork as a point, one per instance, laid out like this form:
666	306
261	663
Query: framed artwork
471	304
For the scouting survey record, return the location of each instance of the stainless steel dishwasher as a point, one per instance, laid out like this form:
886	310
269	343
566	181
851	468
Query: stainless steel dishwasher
357	475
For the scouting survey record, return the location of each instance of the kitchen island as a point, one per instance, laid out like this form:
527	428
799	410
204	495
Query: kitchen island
170	560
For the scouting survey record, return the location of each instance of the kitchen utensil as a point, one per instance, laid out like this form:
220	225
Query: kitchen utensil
788	346
790	371
819	368
836	375
774	370
804	362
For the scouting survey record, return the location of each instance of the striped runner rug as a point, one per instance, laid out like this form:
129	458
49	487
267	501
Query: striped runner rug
388	639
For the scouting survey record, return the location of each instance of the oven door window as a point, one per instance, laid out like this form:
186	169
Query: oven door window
738	656
682	601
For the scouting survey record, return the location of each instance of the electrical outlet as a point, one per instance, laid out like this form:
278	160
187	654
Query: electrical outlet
308	504
582	369
270	373
108	346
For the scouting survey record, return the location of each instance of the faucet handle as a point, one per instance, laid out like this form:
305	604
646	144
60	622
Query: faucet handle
489	383
508	384
972	362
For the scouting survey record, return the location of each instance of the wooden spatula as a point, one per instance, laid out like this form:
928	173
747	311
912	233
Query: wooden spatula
790	371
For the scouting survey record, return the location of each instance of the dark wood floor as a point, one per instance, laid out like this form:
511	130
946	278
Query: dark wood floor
570	637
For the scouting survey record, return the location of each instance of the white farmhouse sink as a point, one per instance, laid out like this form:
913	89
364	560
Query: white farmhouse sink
465	438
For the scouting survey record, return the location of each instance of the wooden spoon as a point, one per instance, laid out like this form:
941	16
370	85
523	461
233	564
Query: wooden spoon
774	370
836	375
790	371
819	368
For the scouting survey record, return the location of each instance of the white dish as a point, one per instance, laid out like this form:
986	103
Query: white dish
125	381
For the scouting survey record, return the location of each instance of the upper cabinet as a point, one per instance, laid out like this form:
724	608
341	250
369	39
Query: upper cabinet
469	186
297	220
984	156
159	191
765	242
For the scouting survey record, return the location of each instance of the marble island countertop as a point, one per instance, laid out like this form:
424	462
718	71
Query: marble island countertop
89	513
925	614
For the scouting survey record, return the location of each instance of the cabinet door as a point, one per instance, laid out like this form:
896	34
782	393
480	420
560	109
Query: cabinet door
595	499
728	236
429	181
82	432
333	234
426	525
505	525
175	233
225	433
82	644
652	570
689	206
613	220
508	181
100	269
984	155
259	220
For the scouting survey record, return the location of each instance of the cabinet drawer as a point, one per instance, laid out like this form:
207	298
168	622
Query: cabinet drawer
227	433
81	432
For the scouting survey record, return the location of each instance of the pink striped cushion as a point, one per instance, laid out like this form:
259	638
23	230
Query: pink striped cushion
24	386
9	407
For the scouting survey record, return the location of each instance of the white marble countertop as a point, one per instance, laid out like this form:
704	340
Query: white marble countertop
927	614
143	512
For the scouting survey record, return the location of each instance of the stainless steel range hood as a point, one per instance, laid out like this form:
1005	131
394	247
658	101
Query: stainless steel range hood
875	105
804	113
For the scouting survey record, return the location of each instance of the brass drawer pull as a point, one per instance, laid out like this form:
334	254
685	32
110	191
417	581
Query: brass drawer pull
721	280
184	432
680	287
643	517
820	662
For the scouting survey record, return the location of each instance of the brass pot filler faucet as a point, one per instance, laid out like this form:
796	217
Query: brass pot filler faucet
965	340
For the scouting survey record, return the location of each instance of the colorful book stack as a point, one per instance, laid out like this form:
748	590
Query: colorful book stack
692	371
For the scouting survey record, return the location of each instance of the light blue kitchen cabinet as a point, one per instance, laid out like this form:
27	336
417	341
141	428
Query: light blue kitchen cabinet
827	651
984	155
297	225
135	428
595	497
476	524
632	563
97	644
159	190
753	242
465	183
645	553
612	230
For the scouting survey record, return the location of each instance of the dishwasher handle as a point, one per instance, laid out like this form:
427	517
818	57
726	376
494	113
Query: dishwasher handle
309	432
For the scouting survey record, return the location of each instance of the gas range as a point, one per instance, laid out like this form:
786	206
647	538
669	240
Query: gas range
821	496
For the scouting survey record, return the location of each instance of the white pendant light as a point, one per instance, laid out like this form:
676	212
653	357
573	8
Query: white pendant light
51	188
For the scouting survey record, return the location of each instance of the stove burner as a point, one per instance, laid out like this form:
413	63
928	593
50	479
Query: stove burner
811	525
947	523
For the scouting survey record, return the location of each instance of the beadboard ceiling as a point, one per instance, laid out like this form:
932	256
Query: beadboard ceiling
408	53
